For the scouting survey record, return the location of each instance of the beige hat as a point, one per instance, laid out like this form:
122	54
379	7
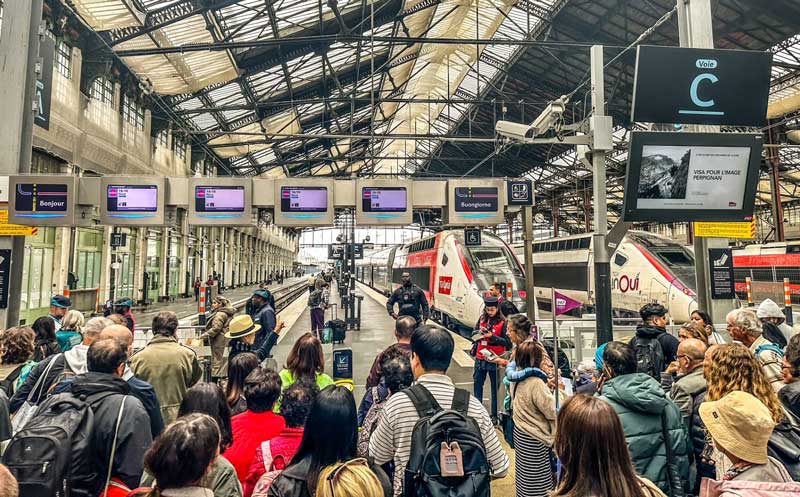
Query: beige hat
241	326
741	424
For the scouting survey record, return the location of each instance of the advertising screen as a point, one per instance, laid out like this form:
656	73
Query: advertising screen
132	198
691	176
219	198
304	199
476	199
384	199
33	198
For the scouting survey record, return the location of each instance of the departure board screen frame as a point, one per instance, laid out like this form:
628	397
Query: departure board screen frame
201	203
368	199
113	198
113	214
33	198
320	205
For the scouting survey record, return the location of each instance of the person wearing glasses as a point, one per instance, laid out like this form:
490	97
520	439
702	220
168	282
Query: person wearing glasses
330	437
790	368
690	381
353	478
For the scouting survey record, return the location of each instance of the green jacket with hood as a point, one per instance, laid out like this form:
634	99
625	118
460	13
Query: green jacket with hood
640	402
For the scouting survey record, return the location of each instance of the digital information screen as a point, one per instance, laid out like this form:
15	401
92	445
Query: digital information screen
691	176
304	199
219	198
476	199
132	198
41	200
384	199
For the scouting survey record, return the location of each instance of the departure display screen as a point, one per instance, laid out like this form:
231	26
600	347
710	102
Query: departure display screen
132	198
304	199
384	199
36	197
219	198
476	199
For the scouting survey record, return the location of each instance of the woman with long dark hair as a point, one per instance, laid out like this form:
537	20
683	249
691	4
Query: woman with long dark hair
492	342
593	452
702	318
330	437
239	368
207	398
305	363
46	343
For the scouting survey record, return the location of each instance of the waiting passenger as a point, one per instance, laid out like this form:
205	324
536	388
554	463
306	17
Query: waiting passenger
258	423
59	305
703	319
352	478
274	455
122	306
172	368
329	437
790	394
317	303
690	381
380	392
46	343
207	398
431	352
769	312
654	347
595	460
693	330
641	403
239	368
397	376
403	329
214	335
744	327
305	363
70	333
493	342
16	357
181	457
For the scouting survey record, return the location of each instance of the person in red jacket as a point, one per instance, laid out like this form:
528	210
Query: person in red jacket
258	423
490	341
295	405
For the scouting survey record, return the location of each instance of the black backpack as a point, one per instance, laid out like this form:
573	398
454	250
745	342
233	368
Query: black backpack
52	455
649	356
784	445
437	429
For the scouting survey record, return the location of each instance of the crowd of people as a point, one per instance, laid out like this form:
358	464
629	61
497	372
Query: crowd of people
650	416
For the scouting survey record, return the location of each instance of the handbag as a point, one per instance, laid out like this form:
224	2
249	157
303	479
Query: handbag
115	487
28	409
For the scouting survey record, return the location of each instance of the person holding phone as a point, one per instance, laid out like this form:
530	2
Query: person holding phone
489	341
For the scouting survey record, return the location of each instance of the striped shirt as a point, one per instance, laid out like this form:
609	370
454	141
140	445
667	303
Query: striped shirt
391	440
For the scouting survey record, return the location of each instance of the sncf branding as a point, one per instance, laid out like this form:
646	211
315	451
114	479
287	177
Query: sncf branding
445	284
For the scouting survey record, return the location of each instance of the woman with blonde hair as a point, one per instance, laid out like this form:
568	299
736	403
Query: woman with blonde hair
214	335
693	330
352	478
733	368
71	330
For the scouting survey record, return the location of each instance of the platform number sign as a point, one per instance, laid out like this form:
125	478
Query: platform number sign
520	192
118	240
472	237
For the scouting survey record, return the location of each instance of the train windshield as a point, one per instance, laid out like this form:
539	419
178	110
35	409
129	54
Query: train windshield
494	260
680	261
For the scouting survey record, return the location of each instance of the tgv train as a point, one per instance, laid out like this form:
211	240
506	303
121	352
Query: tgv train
767	265
644	268
453	276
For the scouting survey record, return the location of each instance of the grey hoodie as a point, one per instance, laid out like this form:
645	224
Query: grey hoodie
76	358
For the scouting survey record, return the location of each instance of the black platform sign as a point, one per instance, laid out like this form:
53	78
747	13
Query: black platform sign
520	192
701	86
5	268
118	239
336	251
355	250
343	364
472	237
44	85
720	263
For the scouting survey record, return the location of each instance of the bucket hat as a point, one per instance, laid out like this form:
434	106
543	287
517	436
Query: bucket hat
241	326
741	424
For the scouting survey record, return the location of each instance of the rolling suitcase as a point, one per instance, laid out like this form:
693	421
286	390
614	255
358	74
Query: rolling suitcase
337	326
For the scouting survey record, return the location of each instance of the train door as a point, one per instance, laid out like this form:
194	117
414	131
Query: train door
659	292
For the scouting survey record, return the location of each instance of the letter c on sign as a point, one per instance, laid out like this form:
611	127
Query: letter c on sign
693	90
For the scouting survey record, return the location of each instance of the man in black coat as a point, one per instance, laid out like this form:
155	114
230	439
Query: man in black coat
506	306
410	299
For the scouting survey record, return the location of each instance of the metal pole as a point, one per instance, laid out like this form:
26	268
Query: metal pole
602	256
527	236
19	51
553	311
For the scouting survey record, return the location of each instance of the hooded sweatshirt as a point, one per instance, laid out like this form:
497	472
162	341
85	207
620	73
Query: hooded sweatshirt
640	402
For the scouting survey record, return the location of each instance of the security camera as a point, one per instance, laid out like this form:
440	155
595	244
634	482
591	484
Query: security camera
515	131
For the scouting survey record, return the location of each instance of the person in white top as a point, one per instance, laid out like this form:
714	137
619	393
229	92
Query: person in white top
431	351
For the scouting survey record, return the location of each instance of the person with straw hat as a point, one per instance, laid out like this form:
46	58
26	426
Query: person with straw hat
242	335
740	426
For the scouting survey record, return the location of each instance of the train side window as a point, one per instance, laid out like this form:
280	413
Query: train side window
585	242
444	259
620	260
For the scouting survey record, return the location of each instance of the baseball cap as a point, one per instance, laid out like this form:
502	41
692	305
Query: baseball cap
60	301
123	302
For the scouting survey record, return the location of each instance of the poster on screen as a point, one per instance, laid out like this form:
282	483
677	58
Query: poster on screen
692	177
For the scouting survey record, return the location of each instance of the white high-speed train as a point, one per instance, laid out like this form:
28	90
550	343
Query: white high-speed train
644	268
453	276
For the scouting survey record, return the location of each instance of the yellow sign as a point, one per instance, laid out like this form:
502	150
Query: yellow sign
744	230
15	229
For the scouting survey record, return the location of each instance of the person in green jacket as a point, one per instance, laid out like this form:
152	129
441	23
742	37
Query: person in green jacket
70	333
641	403
305	363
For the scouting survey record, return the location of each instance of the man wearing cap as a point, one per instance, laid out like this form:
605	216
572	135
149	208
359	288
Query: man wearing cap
740	426
769	312
242	332
123	307
264	316
410	299
59	305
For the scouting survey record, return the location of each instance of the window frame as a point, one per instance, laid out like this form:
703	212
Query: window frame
102	90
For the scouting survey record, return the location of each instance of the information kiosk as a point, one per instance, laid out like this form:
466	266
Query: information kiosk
132	200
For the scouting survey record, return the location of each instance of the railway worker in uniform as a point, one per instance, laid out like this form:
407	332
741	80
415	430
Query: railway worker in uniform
493	342
506	306
410	299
